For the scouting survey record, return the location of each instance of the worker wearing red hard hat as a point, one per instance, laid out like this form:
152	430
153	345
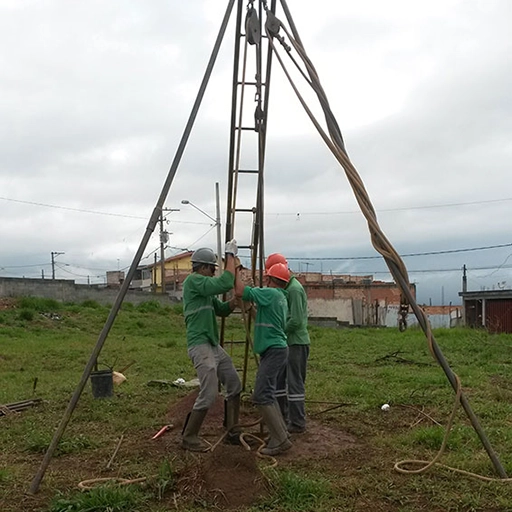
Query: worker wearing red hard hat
270	344
291	381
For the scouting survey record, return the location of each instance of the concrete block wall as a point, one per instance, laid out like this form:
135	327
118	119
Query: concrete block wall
65	290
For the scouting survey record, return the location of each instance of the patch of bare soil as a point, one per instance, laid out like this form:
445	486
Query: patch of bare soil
7	303
229	477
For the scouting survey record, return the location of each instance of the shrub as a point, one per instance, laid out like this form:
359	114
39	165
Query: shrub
26	314
150	306
91	304
39	304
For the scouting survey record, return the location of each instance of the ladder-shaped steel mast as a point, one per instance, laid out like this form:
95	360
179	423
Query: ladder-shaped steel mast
249	115
249	36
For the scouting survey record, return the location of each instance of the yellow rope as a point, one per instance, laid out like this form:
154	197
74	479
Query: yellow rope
89	484
378	239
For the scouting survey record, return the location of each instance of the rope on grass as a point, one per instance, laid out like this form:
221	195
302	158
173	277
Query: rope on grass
221	438
246	445
227	432
426	465
334	141
87	485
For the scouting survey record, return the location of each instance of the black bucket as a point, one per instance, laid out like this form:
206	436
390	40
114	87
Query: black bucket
102	384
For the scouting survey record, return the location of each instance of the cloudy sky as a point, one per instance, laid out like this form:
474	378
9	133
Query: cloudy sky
94	97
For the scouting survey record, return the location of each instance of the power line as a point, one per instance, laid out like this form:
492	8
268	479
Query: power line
302	258
401	209
25	266
348	258
62	267
423	271
94	212
351	212
80	210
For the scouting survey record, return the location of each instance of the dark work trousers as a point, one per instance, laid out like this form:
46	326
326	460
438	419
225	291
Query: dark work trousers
291	390
272	362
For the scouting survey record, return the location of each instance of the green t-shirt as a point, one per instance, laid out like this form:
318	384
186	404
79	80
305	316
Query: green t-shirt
297	324
270	324
200	305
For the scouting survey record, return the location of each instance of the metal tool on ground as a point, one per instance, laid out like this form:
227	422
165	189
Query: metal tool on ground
163	430
6	409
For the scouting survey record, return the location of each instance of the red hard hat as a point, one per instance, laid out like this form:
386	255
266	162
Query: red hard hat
279	271
275	258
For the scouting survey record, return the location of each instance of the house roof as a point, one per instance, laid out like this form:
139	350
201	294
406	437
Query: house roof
180	256
176	257
487	294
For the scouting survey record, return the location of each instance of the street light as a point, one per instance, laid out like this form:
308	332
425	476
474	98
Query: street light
216	222
54	255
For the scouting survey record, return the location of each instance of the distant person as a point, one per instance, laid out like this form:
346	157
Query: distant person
291	382
212	363
270	345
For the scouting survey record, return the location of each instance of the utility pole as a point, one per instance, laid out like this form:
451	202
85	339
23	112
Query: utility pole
164	238
54	254
153	275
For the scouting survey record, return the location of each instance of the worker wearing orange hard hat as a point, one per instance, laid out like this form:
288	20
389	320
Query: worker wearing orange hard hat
270	344
291	381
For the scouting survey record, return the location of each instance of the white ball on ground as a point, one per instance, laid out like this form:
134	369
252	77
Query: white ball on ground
385	407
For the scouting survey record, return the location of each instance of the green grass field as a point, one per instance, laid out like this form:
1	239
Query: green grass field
44	346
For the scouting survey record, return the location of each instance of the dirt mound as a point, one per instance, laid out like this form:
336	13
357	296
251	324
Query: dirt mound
232	478
229	477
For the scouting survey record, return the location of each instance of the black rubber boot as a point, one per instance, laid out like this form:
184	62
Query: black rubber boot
232	420
281	418
278	442
190	439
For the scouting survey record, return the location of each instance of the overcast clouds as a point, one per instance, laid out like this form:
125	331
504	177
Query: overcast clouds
94	97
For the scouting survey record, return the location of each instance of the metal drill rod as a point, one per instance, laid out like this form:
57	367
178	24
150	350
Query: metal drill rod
34	486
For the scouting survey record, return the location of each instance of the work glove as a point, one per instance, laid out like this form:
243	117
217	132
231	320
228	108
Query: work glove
231	247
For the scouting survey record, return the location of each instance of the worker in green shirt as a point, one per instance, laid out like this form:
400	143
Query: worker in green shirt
291	381
270	345
212	363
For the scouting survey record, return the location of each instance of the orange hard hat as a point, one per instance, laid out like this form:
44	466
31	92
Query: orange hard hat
275	258
279	271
